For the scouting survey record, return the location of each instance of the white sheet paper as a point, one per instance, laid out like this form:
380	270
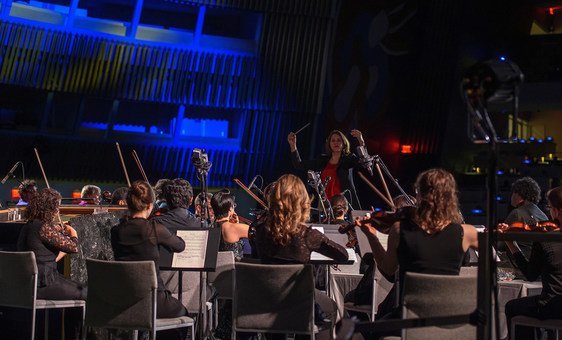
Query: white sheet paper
195	248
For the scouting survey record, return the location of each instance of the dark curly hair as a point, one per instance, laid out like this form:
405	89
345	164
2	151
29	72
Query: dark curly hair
27	189
438	203
159	188
140	196
528	189
178	193
44	206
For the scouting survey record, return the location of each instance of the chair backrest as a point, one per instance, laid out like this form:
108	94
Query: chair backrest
121	294
439	295
18	279
222	278
273	298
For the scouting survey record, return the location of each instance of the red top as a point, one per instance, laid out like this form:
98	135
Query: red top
333	186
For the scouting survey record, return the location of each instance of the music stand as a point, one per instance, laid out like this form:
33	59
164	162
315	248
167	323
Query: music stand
200	254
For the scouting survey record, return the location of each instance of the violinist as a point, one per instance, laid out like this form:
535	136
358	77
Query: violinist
90	194
232	231
27	189
119	196
137	238
340	206
337	163
545	261
178	195
525	194
432	240
47	239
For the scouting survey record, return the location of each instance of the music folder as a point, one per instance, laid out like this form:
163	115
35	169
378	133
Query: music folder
331	232
200	254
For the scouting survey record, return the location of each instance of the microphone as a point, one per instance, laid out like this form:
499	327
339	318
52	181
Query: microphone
10	173
365	160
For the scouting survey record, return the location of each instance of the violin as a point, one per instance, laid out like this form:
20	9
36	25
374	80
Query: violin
382	220
542	226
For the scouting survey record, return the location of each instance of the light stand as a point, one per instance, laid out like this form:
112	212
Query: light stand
491	81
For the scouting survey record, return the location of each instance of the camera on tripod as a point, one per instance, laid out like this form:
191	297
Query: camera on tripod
200	159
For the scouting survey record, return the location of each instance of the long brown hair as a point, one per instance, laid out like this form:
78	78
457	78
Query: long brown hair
438	203
289	208
44	206
346	144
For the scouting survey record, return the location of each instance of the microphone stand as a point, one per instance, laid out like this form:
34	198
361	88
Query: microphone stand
320	188
379	164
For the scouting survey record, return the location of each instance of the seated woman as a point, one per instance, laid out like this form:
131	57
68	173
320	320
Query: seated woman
545	261
136	239
432	241
47	239
232	232
285	238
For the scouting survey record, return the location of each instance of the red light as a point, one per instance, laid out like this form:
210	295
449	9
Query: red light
551	10
76	194
406	149
15	194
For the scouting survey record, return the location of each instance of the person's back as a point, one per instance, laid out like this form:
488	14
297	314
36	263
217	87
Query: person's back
437	253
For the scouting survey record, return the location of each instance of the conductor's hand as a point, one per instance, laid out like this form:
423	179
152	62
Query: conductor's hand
359	136
292	139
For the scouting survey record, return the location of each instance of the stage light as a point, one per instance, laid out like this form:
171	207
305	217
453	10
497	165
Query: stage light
549	139
527	161
532	139
406	149
522	141
540	141
477	211
499	172
15	194
502	58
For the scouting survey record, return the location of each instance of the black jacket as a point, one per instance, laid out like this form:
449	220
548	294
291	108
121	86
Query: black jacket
344	170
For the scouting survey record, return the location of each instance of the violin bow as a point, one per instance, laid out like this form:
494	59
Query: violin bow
249	192
377	191
44	176
139	165
123	163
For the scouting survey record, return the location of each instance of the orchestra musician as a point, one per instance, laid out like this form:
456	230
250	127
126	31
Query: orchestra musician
90	194
525	194
178	195
283	237
137	238
119	196
232	231
198	206
160	206
545	261
432	241
338	163
47	239
27	189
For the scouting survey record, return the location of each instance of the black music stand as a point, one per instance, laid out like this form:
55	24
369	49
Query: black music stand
194	249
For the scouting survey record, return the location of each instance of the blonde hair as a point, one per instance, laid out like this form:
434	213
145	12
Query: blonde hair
438	203
289	208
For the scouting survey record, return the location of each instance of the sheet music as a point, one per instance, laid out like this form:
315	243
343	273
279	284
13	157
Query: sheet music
314	256
195	249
